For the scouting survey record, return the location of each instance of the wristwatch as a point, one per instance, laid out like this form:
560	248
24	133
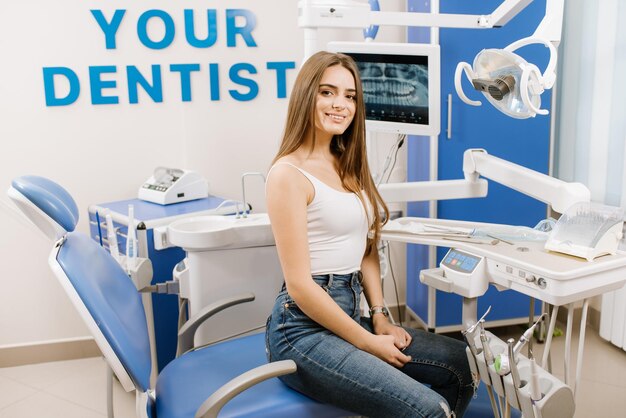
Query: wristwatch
379	309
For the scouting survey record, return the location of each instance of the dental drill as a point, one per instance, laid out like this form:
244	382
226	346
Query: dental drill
503	361
468	334
489	360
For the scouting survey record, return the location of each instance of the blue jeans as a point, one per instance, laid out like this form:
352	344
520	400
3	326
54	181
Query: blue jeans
436	380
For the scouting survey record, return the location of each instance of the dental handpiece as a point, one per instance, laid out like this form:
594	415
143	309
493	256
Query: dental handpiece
517	382
468	334
112	238
535	390
485	343
526	336
503	361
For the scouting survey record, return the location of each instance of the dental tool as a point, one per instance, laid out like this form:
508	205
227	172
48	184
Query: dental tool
503	362
535	389
489	360
112	238
99	228
131	241
470	331
527	335
517	382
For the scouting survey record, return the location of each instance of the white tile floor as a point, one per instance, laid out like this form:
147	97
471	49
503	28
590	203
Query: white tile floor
76	389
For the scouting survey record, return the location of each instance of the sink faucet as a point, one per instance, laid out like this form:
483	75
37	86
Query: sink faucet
243	189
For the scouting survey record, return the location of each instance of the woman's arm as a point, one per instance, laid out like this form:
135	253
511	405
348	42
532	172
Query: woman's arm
372	287
288	194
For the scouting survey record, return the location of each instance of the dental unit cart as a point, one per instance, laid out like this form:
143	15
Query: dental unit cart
149	216
465	127
525	267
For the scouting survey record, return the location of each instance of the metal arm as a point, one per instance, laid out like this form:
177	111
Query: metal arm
357	14
314	14
243	190
477	162
188	331
419	191
557	193
214	403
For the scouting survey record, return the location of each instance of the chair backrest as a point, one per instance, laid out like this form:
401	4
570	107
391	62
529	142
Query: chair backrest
98	287
46	204
109	303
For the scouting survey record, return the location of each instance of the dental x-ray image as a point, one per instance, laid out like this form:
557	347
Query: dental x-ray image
393	90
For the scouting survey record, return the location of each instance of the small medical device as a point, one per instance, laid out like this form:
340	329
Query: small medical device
587	230
460	272
131	241
172	185
400	85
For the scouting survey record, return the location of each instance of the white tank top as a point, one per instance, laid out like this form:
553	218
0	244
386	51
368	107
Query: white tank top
336	227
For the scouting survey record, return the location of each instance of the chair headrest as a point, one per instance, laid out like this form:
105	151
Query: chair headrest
46	204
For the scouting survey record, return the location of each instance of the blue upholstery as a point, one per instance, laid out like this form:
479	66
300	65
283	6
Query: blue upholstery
480	407
112	300
51	198
196	375
186	382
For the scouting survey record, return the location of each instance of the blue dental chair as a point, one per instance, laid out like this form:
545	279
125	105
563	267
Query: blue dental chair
232	379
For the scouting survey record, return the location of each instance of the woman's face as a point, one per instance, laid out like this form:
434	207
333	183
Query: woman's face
336	102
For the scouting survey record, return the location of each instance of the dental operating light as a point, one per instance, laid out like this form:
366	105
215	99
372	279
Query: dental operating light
510	83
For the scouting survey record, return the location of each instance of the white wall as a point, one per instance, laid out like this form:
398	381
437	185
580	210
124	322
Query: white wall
102	153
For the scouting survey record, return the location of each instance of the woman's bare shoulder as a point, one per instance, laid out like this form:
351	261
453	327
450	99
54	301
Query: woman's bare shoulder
285	177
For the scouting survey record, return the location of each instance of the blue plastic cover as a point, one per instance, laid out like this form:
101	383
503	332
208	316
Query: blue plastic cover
371	31
185	383
51	198
113	302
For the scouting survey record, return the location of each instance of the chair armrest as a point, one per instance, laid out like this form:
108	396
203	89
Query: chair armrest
187	332
214	403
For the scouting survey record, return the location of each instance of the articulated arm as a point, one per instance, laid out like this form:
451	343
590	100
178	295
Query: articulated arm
476	162
188	331
557	193
214	403
421	191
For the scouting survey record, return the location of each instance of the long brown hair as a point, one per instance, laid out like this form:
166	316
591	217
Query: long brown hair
349	148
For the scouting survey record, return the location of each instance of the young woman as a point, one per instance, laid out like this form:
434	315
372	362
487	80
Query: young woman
326	218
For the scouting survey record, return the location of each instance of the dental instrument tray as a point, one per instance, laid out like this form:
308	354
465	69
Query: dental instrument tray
587	230
173	185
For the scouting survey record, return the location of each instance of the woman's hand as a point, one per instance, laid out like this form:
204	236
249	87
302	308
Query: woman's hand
384	347
382	326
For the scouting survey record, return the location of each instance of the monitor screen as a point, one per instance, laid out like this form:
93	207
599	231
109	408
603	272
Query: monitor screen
400	85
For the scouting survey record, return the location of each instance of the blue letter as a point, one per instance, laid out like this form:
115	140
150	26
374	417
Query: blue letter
109	28
232	30
190	32
155	91
48	85
185	78
215	82
142	29
281	79
251	84
98	84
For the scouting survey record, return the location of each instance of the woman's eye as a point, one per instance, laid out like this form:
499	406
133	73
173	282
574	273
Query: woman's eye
326	92
351	97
